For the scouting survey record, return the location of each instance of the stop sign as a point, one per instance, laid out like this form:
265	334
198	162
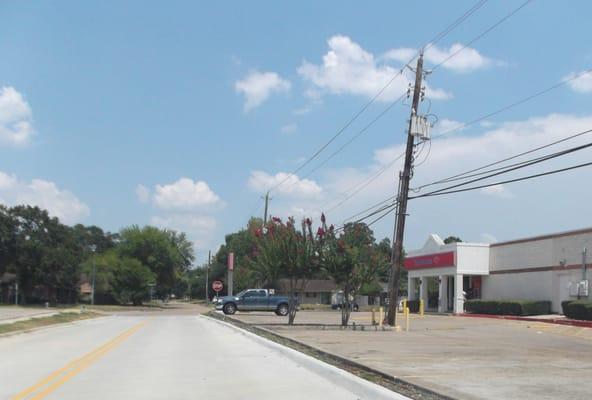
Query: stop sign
217	286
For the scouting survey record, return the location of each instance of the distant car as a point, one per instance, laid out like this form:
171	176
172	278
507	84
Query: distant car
353	305
253	300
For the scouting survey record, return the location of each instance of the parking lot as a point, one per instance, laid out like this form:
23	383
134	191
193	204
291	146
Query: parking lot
465	358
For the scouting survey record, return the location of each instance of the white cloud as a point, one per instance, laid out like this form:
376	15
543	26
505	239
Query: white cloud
498	191
467	214
466	60
143	193
349	69
582	84
44	194
258	86
302	111
260	181
199	228
444	126
289	129
16	118
488	238
184	194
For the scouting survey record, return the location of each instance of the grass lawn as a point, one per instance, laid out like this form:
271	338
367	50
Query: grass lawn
46	321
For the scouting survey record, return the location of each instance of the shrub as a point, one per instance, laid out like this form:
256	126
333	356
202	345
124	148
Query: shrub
508	307
579	309
564	305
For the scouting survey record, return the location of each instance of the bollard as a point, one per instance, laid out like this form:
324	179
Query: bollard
380	316
407	319
404	305
421	307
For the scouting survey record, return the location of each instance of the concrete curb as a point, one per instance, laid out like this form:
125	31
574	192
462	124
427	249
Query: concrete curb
556	321
354	384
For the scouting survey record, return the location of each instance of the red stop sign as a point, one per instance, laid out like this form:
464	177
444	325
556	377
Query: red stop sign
217	286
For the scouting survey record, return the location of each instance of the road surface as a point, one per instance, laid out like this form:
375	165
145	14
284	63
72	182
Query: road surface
154	357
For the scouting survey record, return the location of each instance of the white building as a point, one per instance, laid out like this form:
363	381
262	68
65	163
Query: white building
549	267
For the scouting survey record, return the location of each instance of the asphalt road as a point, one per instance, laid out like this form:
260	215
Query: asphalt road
153	357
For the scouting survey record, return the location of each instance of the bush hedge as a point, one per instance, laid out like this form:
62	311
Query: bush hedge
508	307
578	309
564	305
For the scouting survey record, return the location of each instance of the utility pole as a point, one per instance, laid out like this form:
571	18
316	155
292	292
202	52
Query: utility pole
405	177
208	276
93	248
266	207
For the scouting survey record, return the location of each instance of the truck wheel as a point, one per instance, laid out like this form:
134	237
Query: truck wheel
229	309
282	310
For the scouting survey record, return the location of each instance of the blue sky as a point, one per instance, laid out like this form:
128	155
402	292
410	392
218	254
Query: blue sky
118	113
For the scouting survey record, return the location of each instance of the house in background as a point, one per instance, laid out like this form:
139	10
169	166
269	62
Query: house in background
316	291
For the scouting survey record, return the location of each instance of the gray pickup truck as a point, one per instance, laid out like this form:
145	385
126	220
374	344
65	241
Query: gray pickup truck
253	300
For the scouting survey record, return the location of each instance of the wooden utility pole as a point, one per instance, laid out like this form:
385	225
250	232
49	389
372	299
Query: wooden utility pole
266	207
405	177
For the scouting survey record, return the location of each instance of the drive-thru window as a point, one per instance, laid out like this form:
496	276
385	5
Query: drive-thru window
444	275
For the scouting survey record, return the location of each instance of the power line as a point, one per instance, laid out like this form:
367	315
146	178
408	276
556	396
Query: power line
515	104
485	32
506	170
438	37
504	182
481	35
366	182
465	174
357	135
506	108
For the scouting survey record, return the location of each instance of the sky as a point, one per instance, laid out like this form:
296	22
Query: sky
182	115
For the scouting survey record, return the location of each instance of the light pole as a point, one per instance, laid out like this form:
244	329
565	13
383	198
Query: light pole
151	286
93	248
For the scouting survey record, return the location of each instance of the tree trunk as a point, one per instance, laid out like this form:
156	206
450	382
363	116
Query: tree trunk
292	303
346	308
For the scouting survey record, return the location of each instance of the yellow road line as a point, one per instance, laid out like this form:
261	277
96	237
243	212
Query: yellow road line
75	366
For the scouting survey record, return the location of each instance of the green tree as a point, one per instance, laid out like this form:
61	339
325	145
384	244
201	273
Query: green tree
282	251
130	281
452	239
46	256
351	259
103	264
167	254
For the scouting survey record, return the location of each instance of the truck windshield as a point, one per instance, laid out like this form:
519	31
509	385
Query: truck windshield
241	293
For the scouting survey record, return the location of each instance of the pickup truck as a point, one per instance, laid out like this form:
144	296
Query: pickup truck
253	300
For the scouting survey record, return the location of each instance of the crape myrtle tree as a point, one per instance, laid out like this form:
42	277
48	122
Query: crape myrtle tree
351	259
283	251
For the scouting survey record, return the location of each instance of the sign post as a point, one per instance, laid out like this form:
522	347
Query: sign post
230	272
217	287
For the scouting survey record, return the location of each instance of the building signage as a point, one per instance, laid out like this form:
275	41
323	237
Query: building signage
430	261
231	261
